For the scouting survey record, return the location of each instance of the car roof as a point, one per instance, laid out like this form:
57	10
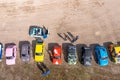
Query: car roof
9	51
88	52
39	48
39	41
103	52
25	48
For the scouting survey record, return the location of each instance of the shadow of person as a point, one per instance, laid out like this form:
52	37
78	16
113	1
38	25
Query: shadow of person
62	36
74	38
45	67
45	70
40	67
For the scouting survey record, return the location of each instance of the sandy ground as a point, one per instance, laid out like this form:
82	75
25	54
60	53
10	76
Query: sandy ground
94	21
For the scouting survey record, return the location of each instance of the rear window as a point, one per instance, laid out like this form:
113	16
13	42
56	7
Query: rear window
57	57
39	41
104	58
10	57
39	54
23	55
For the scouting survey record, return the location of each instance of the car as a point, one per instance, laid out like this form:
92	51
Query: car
101	55
86	56
57	55
38	32
114	50
39	51
72	57
1	46
11	54
25	52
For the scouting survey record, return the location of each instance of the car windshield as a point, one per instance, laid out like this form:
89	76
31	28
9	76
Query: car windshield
37	31
72	50
39	54
57	57
87	58
40	41
10	57
104	58
118	56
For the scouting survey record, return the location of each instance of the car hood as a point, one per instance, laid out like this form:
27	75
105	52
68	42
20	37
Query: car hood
103	62
87	62
10	61
72	61
26	58
39	58
57	61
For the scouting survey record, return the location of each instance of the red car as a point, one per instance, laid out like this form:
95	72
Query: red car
57	55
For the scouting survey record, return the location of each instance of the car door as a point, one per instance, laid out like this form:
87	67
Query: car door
14	50
99	57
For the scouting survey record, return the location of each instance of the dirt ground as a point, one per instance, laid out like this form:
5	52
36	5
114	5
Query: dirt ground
94	21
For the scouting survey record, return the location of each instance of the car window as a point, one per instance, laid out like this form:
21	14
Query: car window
99	53
104	58
113	51
13	52
39	41
39	54
57	57
28	52
10	57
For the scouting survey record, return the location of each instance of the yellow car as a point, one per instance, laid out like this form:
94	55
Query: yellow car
115	52
39	51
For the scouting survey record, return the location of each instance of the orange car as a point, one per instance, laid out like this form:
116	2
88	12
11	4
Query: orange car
57	55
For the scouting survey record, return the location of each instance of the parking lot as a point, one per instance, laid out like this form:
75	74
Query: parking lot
93	21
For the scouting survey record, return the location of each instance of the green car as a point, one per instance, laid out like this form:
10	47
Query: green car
38	32
72	59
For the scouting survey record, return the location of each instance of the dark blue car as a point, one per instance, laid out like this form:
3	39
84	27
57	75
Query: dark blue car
101	55
1	46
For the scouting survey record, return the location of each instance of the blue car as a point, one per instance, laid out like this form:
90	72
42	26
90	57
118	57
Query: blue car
101	55
1	46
